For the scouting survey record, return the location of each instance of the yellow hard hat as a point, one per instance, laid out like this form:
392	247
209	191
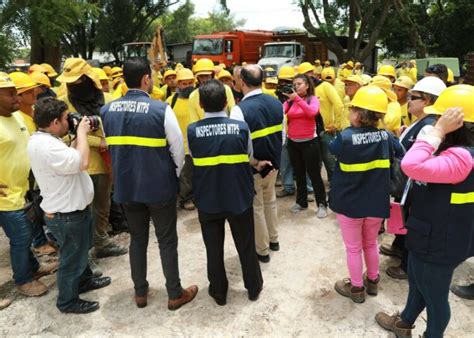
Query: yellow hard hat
168	73
358	64
5	81
286	73
184	74
204	66
224	74
385	84
41	79
350	64
413	62
36	68
355	78
116	72
404	82
461	96
317	61
366	78
273	80
74	68
101	73
328	74
178	66
327	63
450	76
222	65
49	70
371	98
387	70
269	69
23	82
107	70
305	67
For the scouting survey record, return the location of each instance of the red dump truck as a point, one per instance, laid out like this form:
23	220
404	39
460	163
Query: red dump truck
229	47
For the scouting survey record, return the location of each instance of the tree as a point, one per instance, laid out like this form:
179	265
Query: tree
331	18
7	50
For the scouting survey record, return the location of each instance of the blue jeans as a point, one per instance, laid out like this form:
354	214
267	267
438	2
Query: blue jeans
286	173
74	232
20	233
428	287
327	158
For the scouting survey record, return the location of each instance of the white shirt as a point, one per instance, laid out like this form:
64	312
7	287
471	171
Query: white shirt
174	138
64	187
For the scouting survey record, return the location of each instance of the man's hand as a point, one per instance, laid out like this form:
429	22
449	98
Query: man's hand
84	126
3	189
262	164
451	120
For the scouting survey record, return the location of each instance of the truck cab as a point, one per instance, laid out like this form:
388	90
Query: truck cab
278	54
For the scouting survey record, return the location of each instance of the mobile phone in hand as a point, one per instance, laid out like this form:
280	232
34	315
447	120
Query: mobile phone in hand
266	170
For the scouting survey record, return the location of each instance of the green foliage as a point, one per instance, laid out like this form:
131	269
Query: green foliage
7	50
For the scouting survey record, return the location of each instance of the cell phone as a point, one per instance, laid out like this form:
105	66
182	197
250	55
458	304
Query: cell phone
266	170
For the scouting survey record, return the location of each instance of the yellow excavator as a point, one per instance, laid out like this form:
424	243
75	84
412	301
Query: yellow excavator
154	51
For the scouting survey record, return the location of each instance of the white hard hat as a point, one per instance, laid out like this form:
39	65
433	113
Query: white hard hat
430	85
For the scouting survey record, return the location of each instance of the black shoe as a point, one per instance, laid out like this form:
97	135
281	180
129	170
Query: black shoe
95	283
111	251
254	296
220	300
466	292
263	259
274	246
82	306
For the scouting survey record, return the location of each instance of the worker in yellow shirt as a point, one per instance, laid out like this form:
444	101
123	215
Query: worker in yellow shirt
401	87
413	74
329	75
270	85
169	87
204	71
179	102
156	73
318	69
352	84
331	109
393	118
50	72
104	79
85	96
44	85
388	71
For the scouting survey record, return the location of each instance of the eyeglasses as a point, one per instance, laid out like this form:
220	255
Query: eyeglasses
415	97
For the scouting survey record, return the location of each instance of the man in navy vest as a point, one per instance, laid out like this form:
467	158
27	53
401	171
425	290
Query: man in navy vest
264	116
146	147
221	149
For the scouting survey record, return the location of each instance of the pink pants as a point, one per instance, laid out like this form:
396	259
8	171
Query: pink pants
360	234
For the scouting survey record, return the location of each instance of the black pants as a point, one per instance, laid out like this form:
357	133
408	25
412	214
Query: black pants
213	233
164	219
428	288
306	157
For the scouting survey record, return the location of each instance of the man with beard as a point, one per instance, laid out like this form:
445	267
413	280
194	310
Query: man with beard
146	147
84	96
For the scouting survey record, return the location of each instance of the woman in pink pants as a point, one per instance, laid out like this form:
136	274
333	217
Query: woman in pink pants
360	189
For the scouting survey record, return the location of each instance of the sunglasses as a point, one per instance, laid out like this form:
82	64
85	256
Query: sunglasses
415	97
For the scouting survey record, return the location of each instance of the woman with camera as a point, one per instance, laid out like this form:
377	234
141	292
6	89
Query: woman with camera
301	110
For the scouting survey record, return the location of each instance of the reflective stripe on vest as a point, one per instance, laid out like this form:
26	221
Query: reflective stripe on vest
135	141
377	164
462	198
221	159
266	131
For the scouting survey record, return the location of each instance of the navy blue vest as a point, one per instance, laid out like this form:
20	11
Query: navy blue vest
441	221
361	179
264	116
410	138
222	178
143	170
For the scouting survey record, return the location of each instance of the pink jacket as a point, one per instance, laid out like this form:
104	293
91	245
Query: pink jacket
301	118
451	166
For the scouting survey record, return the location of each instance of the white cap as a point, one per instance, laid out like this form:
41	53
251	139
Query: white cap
430	85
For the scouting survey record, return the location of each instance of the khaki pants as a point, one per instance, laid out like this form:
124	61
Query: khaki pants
265	212
101	209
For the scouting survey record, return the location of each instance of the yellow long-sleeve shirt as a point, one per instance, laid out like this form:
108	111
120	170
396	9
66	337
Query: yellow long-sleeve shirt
392	121
345	115
341	88
195	110
331	106
181	110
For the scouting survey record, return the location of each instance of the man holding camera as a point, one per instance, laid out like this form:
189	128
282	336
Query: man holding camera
264	116
67	191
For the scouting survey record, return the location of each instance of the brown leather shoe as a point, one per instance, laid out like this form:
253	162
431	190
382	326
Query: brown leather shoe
394	323
396	272
46	269
4	303
372	286
44	250
187	295
345	288
141	300
32	289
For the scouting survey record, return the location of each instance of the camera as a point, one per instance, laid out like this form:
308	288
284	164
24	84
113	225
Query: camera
74	119
287	89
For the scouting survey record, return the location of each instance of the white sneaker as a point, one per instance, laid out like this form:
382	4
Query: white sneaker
297	208
322	211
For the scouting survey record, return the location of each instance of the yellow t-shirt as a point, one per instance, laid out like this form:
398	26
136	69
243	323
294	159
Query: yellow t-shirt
121	90
269	92
345	115
331	106
195	110
14	161
30	124
181	110
392	121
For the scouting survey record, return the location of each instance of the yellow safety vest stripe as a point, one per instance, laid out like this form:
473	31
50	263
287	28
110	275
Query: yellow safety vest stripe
266	131
377	164
221	159
462	198
135	141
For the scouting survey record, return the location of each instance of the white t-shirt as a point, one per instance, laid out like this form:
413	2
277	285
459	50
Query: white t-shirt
64	187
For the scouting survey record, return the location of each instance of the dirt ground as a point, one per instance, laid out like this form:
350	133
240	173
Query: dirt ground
298	298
